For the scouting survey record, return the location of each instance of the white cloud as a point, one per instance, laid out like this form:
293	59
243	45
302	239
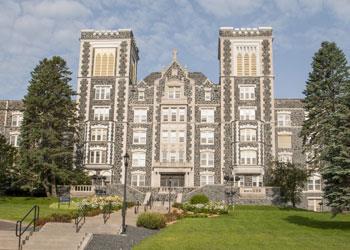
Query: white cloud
225	8
340	8
57	9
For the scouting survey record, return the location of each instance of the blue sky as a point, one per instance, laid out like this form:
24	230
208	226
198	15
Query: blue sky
32	30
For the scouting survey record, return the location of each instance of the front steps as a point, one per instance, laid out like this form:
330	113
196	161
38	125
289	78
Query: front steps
8	240
57	236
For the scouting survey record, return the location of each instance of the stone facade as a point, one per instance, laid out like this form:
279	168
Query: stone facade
177	126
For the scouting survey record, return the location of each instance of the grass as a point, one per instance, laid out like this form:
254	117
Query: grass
14	208
253	227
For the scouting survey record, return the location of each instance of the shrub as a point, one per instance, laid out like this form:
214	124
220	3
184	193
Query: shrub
199	199
177	205
64	218
151	220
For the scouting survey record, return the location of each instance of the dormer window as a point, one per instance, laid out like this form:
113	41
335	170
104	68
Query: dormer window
174	92
207	95
141	95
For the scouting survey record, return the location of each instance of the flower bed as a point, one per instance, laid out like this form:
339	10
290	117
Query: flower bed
208	208
101	202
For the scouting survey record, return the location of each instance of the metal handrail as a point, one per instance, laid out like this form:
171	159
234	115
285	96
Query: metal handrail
79	218
19	231
149	204
107	210
137	207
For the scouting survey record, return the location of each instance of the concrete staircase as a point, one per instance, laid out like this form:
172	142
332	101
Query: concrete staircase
57	236
8	240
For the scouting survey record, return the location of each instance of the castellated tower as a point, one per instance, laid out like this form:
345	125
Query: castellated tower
107	70
247	117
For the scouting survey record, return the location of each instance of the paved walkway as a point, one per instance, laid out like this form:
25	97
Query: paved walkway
7	225
58	236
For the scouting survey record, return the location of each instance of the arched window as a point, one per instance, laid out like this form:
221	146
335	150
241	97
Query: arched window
104	62
253	64
246	65
239	65
111	60
104	65
97	70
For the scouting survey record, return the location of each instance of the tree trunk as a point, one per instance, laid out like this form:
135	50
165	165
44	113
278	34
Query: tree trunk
45	183
53	187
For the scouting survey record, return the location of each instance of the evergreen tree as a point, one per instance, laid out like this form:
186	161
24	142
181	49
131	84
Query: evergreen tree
7	160
49	126
326	132
291	179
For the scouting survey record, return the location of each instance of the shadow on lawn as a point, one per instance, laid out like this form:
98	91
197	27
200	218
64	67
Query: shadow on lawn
309	222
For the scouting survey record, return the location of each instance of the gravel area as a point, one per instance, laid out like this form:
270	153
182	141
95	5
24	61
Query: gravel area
119	242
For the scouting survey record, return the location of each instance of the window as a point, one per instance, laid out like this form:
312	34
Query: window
102	93
181	156
246	59
173	138
98	134
314	204
247	93
164	156
207	115
16	120
15	140
207	95
253	64
207	137
172	156
314	183
104	62
173	112
174	92
140	115
248	157
207	159
239	65
165	114
98	156
284	141
182	113
139	137
141	95
247	114
165	137
138	159
256	181
101	114
206	179
246	65
247	134
285	157
138	180
133	71
283	119
240	183
181	136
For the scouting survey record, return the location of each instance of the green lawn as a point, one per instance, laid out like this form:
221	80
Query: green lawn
252	227
14	208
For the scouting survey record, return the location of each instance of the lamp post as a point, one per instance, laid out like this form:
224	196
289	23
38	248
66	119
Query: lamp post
169	193
123	229
230	194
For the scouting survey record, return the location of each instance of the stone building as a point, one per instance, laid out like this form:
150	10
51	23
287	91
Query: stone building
178	127
10	120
